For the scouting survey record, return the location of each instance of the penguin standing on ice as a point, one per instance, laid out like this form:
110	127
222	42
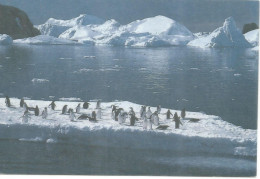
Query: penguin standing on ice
64	109
155	118
99	114
93	117
113	115
117	113
177	121
183	113
142	111
72	115
149	113
159	109
131	112
70	109
25	107
98	104
145	123
7	101
86	105
21	102
36	111
149	124
25	117
78	109
168	114
45	113
53	105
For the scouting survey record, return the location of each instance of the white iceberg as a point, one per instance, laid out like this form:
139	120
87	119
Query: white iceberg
55	27
253	38
226	36
5	39
207	133
154	31
44	40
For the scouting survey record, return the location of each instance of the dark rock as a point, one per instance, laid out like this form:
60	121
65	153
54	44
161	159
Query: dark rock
15	22
249	27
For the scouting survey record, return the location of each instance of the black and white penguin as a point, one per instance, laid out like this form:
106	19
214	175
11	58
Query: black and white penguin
159	109
7	101
53	105
149	113
36	111
64	109
98	104
177	121
155	118
83	116
99	113
26	117
72	115
162	127
78	109
183	113
70	109
131	112
21	102
93	117
45	113
168	114
86	105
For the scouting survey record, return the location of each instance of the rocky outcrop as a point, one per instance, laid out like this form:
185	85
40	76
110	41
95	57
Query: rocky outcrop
15	22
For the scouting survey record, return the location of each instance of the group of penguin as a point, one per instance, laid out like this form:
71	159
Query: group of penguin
117	114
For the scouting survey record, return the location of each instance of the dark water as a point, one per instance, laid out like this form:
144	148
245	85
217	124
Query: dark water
41	158
220	82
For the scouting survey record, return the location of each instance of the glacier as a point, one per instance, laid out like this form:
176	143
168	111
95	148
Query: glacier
208	135
226	36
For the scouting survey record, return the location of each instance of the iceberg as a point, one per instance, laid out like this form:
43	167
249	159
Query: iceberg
226	36
5	39
253	37
44	40
208	133
154	31
54	27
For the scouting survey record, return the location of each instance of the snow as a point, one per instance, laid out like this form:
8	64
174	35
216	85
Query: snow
5	39
44	40
226	36
210	134
37	80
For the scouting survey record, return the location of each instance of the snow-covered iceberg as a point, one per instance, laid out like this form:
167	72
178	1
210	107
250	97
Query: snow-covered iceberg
226	36
154	31
5	39
253	38
55	27
44	40
207	133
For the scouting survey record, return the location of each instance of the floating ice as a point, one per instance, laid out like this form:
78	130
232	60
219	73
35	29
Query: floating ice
37	80
5	39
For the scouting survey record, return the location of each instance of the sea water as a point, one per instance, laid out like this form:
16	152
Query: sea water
220	82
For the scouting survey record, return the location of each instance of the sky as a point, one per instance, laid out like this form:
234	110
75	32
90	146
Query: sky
196	15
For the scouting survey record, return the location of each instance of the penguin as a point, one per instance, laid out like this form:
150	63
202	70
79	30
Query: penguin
183	113
145	123
122	116
53	105
25	107
78	109
162	127
168	114
159	109
36	111
155	118
7	101
72	116
149	124
45	113
113	110
132	119
131	112
143	108
98	104
117	113
93	117
149	113
70	109
21	102
86	105
64	109
177	121
83	116
99	114
25	117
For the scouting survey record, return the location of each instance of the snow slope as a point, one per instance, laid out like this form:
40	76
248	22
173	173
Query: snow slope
154	31
226	36
252	37
44	40
209	135
5	39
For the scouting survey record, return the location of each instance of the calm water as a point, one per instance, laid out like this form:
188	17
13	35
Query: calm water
220	82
